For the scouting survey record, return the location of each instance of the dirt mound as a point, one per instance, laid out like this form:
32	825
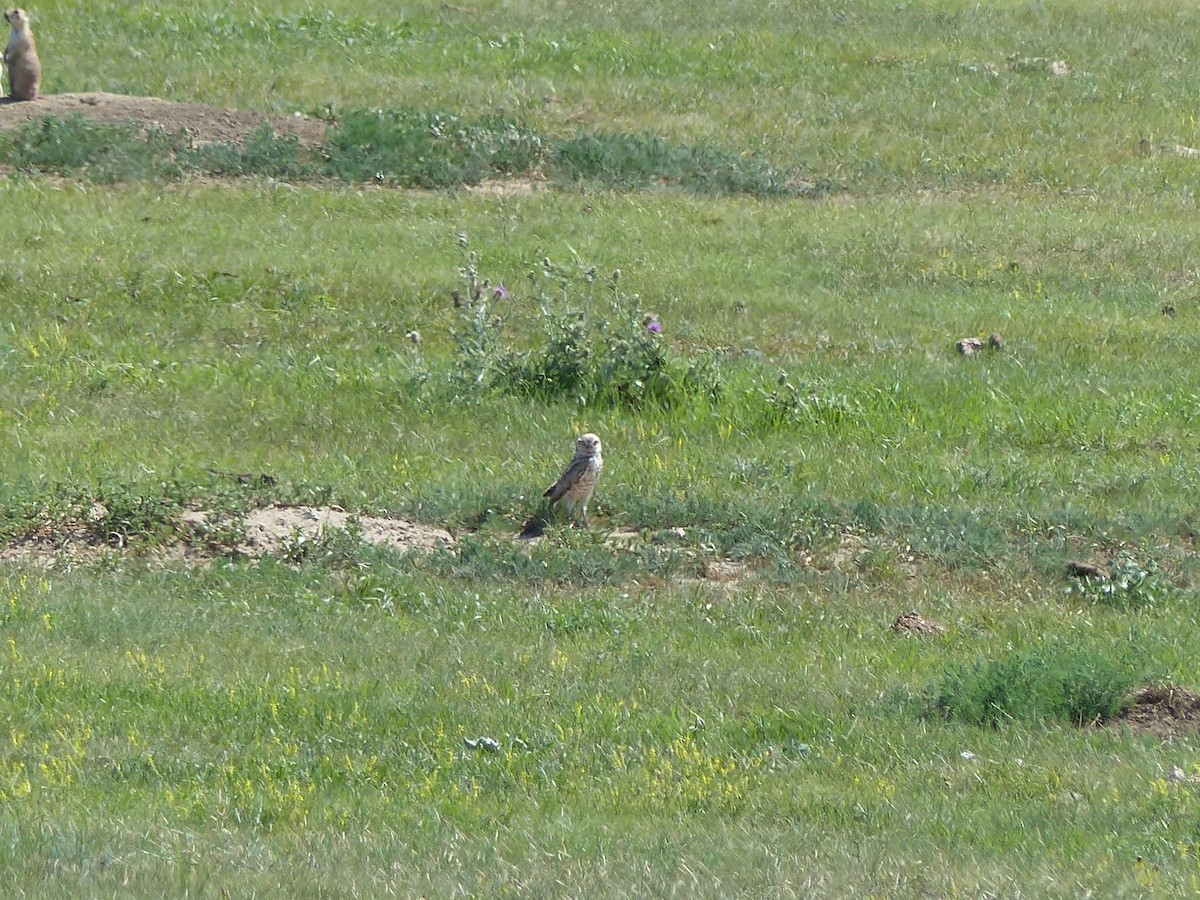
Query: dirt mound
204	124
1166	711
270	530
199	537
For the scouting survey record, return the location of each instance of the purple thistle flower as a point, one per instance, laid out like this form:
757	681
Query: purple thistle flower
655	327
500	292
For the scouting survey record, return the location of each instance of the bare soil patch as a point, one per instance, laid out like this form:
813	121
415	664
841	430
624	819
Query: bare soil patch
1166	711
517	186
203	124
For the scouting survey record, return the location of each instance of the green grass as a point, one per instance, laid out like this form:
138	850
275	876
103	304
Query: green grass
305	727
406	148
1062	683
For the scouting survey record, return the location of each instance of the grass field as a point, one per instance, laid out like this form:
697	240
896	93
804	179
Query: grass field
716	711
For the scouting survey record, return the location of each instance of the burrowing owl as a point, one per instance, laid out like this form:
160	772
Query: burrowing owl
576	484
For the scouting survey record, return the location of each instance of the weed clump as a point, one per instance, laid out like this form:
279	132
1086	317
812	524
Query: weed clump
1050	682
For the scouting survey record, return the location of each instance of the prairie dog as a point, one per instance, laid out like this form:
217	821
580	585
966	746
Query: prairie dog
21	59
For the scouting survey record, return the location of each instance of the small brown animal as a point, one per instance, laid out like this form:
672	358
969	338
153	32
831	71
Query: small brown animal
21	59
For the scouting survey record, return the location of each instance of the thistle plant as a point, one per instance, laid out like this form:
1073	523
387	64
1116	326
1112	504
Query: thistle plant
591	342
477	344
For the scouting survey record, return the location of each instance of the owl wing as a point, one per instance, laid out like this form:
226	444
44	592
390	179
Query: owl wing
568	478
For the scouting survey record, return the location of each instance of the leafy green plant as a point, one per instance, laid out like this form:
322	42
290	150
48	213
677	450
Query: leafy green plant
1129	585
333	548
119	513
478	342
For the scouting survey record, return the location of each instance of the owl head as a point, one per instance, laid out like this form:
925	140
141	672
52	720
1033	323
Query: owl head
587	444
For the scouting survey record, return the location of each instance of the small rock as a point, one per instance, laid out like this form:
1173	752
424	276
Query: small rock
969	346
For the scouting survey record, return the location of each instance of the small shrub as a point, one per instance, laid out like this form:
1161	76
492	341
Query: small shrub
1051	682
1129	586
